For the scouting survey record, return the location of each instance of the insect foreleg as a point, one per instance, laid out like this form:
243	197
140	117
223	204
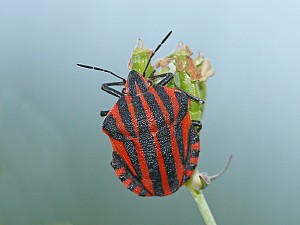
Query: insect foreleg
107	88
165	80
197	124
104	113
193	97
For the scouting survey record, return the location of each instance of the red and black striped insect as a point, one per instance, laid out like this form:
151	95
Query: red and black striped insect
155	143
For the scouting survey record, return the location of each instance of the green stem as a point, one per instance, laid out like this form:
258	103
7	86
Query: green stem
202	205
198	195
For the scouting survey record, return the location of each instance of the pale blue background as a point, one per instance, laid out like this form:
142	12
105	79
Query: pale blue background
53	155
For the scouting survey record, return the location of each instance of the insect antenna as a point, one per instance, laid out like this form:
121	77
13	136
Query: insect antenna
101	69
158	47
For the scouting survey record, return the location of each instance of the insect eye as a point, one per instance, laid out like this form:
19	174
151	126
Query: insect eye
124	91
149	82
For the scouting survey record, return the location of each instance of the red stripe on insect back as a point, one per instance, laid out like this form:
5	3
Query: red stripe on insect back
176	155
120	171
194	160
121	126
138	91
196	145
189	173
146	181
175	103
127	182
118	146
186	124
137	190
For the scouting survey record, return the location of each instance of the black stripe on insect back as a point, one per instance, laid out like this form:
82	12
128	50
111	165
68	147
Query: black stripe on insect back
131	150
133	80
116	161
125	115
194	137
195	153
179	141
111	126
183	103
164	140
183	109
124	176
166	101
147	142
132	186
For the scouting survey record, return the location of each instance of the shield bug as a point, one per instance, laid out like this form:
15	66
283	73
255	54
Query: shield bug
155	142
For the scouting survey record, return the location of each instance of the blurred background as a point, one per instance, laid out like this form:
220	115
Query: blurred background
54	158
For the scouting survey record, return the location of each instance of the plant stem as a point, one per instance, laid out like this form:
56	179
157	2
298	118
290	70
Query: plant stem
198	195
202	205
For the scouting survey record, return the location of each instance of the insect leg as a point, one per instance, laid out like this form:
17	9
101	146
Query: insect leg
153	76
104	113
107	88
165	80
193	97
197	124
